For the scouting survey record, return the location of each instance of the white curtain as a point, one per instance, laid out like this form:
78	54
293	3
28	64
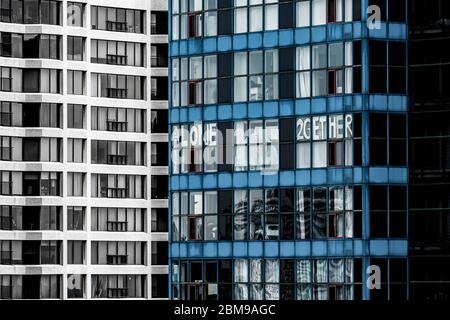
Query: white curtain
336	272
210	23
256	19
240	89
303	84
271	21
240	20
303	155
349	224
303	271
319	15
319	154
321	271
241	270
303	13
348	10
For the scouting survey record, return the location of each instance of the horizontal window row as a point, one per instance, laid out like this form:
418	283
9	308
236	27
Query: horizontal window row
118	19
119	119
118	152
118	186
24	218
271	214
42	46
193	19
118	253
118	53
50	252
30	80
30	252
31	11
50	286
30	183
338	278
31	286
294	72
13	114
118	86
317	142
30	149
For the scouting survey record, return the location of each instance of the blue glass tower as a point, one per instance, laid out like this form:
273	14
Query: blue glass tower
289	173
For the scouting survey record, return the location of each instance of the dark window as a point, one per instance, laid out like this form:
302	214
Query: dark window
286	18
225	22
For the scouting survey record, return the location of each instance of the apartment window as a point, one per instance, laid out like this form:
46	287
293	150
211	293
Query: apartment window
76	150
118	53
160	250
159	22
118	86
159	286
118	219
159	154
159	220
255	16
75	218
75	116
75	48
271	15
118	152
30	80
76	82
319	12
76	286
30	11
118	253
159	187
117	19
75	252
159	121
159	54
118	286
118	186
118	119
75	14
75	184
159	88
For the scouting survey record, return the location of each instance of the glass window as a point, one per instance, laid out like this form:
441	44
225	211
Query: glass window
255	22
75	12
319	13
271	18
303	13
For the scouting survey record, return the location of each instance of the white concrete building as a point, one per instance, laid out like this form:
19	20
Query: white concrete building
83	141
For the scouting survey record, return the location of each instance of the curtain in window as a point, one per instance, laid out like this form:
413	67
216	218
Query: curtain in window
256	145
321	271
319	15
303	16
348	10
271	19
210	91
272	291
240	89
255	270
319	154
210	23
303	84
241	270
240	20
255	19
336	271
303	271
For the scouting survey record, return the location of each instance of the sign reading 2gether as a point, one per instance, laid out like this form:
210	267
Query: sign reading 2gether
323	127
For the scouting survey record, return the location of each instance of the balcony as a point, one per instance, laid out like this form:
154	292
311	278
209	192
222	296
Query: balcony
118	226
116	259
117	193
116	59
117	293
116	26
117	126
117	93
117	159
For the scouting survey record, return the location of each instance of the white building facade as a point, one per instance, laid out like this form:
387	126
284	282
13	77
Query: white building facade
83	139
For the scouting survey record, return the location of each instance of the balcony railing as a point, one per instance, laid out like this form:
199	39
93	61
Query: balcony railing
117	193
117	159
118	126
116	59
120	226
117	292
119	93
116	259
116	26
